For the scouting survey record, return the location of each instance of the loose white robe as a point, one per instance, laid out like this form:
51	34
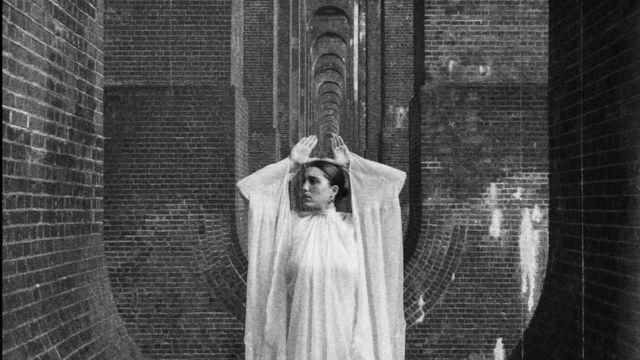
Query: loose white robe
322	276
285	318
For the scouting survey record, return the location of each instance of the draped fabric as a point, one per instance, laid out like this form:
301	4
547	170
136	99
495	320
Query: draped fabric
322	277
325	285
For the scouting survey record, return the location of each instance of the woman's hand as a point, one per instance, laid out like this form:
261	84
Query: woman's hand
341	153
301	151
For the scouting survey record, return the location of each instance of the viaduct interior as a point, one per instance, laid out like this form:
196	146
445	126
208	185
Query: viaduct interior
127	123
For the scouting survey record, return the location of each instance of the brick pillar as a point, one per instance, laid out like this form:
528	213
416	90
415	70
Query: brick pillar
260	68
588	309
56	297
483	195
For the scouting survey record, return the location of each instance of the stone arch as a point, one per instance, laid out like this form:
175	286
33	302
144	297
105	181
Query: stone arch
329	60
330	75
331	12
329	86
330	42
330	96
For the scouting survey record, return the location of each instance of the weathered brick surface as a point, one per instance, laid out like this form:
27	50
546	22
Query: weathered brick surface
373	62
170	170
176	143
480	171
589	307
258	81
56	297
285	140
398	78
398	58
159	41
329	93
179	133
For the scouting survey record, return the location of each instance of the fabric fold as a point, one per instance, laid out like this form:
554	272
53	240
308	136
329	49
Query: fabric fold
290	274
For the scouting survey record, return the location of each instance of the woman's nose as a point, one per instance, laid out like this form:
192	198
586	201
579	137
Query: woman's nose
305	186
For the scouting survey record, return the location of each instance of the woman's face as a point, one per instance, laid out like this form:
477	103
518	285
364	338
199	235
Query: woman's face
317	192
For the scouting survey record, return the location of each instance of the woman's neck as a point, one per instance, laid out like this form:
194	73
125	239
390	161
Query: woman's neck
328	210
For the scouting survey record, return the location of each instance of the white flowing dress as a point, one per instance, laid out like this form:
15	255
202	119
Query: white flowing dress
322	277
325	285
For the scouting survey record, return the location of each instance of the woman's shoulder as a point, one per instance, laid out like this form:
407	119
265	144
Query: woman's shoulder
347	217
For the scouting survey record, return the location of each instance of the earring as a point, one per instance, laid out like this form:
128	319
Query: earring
331	198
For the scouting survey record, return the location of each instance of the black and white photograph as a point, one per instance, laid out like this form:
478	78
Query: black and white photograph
320	180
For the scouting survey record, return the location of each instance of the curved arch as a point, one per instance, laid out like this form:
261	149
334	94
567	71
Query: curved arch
329	72
330	64
330	76
327	66
332	42
329	36
327	57
331	12
329	111
330	95
331	85
330	117
328	124
329	104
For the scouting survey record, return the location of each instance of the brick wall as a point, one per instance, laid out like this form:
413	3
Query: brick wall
170	171
481	162
589	308
373	65
285	141
176	143
56	297
160	41
398	78
258	81
177	137
398	60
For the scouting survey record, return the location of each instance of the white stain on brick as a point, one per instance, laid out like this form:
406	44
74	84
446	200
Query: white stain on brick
451	66
421	303
518	194
400	115
493	195
536	214
495	229
498	350
529	239
484	70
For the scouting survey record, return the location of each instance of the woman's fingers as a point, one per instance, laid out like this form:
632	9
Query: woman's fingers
337	140
313	141
340	141
307	141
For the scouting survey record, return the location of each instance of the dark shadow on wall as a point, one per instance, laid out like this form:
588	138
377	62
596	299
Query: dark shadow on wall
170	165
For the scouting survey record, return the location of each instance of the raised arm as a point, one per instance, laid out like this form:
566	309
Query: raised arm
267	181
269	224
376	210
372	177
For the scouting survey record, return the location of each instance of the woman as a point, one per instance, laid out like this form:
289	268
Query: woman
324	284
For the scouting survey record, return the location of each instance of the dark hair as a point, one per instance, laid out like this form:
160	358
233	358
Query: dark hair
334	174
